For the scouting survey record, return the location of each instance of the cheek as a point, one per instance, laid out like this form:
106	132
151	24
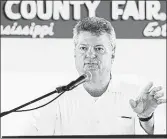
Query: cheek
79	57
79	60
106	61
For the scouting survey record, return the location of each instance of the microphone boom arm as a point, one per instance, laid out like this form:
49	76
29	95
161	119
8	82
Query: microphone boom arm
70	86
28	103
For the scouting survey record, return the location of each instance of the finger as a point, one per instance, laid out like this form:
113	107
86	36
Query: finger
137	107
147	88
144	97
155	89
160	101
158	95
132	103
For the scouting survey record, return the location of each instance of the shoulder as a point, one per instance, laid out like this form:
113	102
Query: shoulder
126	84
131	85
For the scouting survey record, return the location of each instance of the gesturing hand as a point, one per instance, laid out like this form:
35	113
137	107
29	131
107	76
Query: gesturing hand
148	101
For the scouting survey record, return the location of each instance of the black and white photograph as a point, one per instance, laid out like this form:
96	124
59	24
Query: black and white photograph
83	68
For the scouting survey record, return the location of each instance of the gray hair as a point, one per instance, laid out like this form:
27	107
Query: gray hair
96	26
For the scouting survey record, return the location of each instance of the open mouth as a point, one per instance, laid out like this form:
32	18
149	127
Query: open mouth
90	63
91	66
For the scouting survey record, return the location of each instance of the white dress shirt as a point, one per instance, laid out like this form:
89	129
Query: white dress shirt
78	113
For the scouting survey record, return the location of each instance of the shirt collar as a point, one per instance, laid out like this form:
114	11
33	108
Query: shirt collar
105	95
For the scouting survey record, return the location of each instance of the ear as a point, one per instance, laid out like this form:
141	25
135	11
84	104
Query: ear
74	52
113	55
112	59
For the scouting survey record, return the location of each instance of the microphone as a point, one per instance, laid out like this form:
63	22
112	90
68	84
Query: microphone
83	78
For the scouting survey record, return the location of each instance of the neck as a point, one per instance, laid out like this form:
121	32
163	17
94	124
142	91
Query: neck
98	85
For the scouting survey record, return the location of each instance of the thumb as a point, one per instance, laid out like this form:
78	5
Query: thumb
132	103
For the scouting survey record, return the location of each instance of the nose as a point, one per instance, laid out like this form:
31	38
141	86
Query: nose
91	53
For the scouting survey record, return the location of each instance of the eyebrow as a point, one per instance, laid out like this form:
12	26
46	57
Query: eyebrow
99	45
84	44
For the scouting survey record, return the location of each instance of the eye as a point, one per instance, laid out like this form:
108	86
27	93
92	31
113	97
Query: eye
99	49
83	48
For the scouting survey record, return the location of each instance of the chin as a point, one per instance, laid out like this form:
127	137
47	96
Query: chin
92	70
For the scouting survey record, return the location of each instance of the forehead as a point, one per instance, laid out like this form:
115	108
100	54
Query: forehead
92	39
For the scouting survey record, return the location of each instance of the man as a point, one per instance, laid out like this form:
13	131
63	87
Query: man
101	106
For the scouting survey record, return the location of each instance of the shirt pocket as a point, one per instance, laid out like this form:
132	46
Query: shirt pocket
126	124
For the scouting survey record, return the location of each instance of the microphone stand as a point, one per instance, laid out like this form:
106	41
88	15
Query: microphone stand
58	90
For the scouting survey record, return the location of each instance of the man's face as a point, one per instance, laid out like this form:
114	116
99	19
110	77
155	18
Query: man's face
93	53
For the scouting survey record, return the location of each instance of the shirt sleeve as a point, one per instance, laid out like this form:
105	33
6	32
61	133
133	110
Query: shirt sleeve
160	119
45	121
31	127
159	122
138	129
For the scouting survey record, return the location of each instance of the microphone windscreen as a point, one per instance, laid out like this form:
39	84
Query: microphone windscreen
88	76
